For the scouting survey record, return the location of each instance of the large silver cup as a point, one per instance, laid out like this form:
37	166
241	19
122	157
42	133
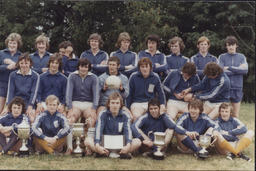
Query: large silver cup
78	131
23	133
159	139
204	142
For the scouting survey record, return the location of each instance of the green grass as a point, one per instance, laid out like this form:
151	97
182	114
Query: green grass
173	161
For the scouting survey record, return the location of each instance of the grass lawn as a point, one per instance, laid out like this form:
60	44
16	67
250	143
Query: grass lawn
173	161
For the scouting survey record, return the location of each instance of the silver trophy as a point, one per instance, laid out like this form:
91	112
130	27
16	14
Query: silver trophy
204	142
23	133
159	139
78	132
114	143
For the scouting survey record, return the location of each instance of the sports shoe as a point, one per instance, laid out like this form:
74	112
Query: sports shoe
243	156
230	156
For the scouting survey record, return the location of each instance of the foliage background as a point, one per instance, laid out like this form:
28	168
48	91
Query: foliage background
76	20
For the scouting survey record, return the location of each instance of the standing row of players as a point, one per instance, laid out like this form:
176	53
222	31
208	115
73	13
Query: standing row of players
233	64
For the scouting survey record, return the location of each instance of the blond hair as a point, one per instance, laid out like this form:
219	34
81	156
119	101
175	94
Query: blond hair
52	98
122	36
43	38
14	37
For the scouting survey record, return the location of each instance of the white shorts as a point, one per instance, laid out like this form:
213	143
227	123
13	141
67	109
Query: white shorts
212	105
180	105
82	105
143	105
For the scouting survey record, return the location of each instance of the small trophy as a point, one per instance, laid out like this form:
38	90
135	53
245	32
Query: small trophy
78	131
204	142
23	133
159	138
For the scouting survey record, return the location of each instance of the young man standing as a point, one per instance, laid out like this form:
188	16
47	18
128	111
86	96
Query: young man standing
203	56
143	86
235	66
82	96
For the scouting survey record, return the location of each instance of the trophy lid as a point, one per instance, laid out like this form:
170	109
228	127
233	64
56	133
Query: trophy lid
24	124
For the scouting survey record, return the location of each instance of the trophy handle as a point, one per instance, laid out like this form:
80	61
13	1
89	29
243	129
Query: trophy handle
14	124
212	143
150	132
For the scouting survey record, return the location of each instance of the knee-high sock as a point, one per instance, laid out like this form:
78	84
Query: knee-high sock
69	140
2	140
188	142
227	146
13	140
242	144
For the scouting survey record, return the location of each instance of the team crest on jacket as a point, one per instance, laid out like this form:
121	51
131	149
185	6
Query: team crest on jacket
56	124
120	126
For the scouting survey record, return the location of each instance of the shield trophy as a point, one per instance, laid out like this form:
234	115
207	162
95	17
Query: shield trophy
159	138
78	131
204	142
23	133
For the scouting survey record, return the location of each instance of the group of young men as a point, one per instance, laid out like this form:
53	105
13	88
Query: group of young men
155	90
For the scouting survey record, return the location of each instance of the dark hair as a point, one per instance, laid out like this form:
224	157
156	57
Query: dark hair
196	103
115	96
114	59
231	40
154	102
17	101
65	44
26	57
189	68
176	39
84	62
212	69
155	38
55	57
144	61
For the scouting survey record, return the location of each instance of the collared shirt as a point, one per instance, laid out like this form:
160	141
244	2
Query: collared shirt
38	62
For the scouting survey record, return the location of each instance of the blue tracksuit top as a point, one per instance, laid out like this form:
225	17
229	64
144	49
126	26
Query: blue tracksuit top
4	72
105	94
175	83
52	84
156	58
69	65
201	125
148	125
235	74
201	61
126	58
106	124
214	90
233	126
39	63
143	89
51	125
24	86
96	60
82	89
175	62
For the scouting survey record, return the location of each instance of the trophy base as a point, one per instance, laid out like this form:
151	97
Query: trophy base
82	154
158	157
23	153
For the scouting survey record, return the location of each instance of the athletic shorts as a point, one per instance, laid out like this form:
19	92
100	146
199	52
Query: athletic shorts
3	89
236	95
212	105
82	105
180	105
143	105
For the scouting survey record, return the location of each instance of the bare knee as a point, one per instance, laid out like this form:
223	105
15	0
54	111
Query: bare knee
249	134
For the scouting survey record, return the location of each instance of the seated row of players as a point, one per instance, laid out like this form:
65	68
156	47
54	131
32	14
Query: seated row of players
51	127
233	63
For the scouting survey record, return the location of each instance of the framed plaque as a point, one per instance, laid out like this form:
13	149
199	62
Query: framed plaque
113	142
